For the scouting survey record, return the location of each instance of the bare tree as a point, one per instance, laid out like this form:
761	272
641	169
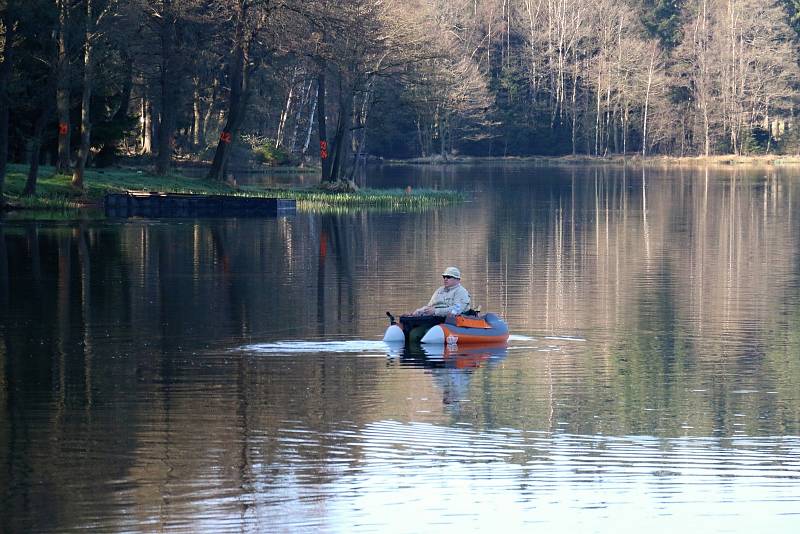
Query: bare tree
758	65
354	44
738	64
249	17
650	85
63	87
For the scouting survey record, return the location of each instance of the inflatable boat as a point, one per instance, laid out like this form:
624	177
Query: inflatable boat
459	329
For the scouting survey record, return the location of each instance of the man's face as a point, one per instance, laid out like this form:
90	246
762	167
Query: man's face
449	281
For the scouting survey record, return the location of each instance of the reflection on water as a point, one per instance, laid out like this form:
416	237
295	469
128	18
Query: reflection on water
518	480
228	375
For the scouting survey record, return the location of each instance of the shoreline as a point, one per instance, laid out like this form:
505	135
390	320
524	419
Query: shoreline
635	159
54	193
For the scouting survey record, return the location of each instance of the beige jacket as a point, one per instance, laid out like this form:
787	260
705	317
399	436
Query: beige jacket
454	300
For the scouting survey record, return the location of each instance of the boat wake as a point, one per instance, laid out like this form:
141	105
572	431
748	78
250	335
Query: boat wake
366	347
564	338
307	347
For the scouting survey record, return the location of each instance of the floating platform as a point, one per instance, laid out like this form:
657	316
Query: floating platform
155	204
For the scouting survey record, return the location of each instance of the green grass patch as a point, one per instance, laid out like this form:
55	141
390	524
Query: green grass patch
55	193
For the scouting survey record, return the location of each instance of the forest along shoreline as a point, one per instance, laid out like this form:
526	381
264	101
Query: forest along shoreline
55	192
96	83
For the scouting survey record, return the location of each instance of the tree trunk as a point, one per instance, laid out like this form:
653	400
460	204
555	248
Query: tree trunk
420	141
625	128
86	99
108	153
298	116
209	113
574	103
597	134
768	126
147	125
197	125
443	133
63	78
311	116
361	123
607	114
5	79
36	146
166	127
285	113
339	143
322	127
240	77
4	278
650	71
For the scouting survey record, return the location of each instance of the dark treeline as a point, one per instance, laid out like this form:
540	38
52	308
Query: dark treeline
83	82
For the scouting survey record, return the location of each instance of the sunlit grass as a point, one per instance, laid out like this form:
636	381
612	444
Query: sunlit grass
314	200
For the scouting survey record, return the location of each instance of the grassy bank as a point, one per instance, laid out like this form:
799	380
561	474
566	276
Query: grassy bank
54	192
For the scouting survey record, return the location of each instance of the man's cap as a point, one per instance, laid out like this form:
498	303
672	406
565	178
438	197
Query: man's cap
452	271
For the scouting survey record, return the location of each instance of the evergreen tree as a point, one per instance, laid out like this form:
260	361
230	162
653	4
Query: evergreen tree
662	20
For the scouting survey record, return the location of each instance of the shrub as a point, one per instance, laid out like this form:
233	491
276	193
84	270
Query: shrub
271	155
265	151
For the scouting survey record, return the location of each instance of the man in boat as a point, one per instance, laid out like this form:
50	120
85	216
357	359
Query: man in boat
450	299
447	318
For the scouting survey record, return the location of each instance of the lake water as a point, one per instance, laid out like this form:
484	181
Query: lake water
228	375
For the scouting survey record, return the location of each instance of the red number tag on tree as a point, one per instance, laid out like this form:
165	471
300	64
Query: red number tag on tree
225	137
323	149
63	128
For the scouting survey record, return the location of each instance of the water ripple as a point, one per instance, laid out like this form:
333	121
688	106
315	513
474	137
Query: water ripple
471	479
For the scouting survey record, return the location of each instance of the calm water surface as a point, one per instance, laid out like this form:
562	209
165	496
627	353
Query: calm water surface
228	375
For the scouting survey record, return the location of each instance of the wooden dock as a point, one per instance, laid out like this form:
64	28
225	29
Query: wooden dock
155	204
